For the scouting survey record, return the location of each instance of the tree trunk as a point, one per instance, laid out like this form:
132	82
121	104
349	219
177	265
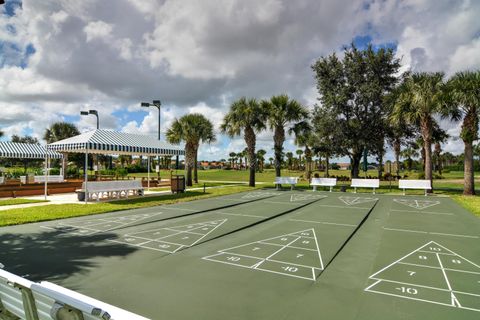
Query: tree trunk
469	184
190	155
308	162
278	139
356	159
327	165
195	173
427	148
250	140
380	165
397	150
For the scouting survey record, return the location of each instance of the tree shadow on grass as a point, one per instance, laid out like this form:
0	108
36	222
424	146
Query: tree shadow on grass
53	254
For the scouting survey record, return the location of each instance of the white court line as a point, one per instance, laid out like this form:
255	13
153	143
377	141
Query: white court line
241	215
454	299
136	245
427	287
372	285
431	267
279	202
435	233
280	245
391	264
322	222
454	235
344	207
318	249
251	268
428	212
406	297
447	254
403	230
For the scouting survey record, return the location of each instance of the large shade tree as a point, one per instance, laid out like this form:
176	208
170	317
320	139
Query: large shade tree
59	131
464	94
423	98
282	112
192	129
246	117
351	90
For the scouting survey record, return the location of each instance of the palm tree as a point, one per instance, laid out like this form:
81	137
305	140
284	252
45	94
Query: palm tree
476	152
240	160
247	116
422	98
289	156
299	153
192	128
261	159
281	112
464	94
1	133
409	153
59	131
232	159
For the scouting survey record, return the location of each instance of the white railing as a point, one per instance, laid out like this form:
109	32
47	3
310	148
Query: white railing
24	299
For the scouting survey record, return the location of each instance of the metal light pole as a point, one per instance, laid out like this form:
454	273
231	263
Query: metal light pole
157	104
95	113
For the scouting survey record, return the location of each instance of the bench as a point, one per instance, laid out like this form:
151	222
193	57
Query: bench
111	189
415	184
2	180
323	182
292	181
23	299
41	179
365	183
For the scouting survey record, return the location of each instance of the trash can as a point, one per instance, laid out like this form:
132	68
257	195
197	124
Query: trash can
177	183
80	195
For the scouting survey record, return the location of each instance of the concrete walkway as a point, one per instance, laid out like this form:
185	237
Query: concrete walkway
71	198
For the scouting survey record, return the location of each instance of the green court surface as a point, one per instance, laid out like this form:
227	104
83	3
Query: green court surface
265	254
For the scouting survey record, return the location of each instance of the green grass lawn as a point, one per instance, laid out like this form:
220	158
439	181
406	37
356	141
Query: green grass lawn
52	212
470	203
10	202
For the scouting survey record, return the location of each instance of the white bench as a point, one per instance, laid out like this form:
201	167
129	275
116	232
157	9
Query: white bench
323	182
2	180
292	181
365	183
23	299
41	179
110	189
414	184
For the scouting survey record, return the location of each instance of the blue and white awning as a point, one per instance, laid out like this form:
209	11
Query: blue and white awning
112	142
26	151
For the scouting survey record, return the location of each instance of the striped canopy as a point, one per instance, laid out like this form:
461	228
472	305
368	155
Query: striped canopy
112	142
26	151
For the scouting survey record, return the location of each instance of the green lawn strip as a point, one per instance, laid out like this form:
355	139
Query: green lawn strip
10	202
201	184
471	203
52	212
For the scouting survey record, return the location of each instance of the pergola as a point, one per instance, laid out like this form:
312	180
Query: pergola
114	143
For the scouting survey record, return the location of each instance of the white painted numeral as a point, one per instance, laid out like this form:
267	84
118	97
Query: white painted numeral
435	249
164	246
284	239
305	242
290	269
456	261
255	249
299	255
408	290
422	257
233	258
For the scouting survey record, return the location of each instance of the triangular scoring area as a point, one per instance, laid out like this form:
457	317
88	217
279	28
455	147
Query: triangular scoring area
305	197
417	204
294	254
350	201
432	273
171	239
92	226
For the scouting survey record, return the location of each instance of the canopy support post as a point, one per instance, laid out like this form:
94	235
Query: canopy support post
86	175
46	174
148	173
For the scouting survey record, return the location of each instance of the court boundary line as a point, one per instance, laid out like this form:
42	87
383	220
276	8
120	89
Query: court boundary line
428	232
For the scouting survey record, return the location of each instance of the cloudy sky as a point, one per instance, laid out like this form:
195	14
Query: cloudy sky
58	57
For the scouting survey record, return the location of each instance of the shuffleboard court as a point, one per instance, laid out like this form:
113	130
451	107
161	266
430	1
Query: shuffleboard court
266	255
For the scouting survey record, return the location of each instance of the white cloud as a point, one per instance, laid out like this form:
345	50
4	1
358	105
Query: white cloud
97	30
